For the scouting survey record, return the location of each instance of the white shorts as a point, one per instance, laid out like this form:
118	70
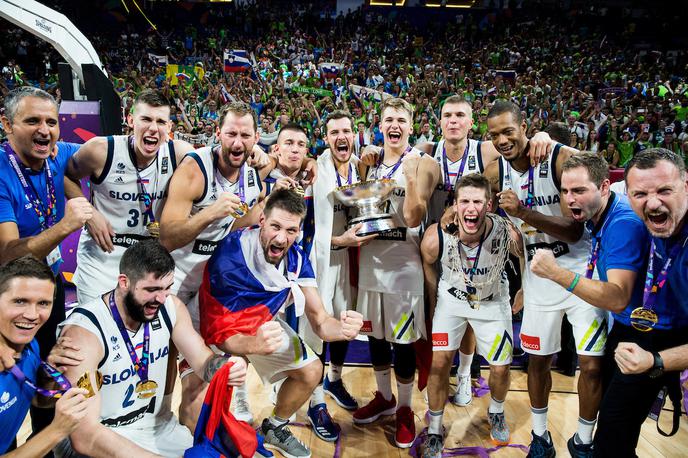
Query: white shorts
541	329
294	354
344	295
169	439
494	337
397	318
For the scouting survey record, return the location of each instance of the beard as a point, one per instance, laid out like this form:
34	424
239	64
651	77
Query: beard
135	308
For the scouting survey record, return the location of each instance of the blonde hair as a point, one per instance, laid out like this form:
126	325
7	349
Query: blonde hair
397	104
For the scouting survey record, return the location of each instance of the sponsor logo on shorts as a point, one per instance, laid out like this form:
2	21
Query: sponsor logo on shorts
530	342
440	339
367	326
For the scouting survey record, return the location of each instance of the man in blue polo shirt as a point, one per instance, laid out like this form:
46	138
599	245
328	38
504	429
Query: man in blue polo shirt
618	252
34	218
652	333
26	297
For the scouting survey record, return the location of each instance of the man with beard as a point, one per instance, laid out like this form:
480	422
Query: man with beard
618	250
129	176
124	337
337	166
250	278
390	294
474	293
530	196
210	190
649	336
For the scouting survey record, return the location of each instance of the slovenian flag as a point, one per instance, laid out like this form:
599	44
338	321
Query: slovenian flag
236	60
329	70
241	290
182	77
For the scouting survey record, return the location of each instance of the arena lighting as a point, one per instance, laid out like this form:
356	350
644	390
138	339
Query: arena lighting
451	4
387	3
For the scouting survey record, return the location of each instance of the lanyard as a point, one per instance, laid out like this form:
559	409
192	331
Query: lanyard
53	373
530	199
596	241
140	365
394	168
652	286
349	179
448	186
45	214
474	267
147	199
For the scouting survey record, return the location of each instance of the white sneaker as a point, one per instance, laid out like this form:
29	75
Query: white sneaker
240	408
463	395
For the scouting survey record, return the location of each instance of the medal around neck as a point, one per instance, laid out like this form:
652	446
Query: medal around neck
146	389
369	197
85	383
154	229
644	319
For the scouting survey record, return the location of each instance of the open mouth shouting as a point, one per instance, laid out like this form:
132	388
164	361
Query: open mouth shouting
275	252
577	213
41	145
658	222
471	223
394	137
150	309
150	143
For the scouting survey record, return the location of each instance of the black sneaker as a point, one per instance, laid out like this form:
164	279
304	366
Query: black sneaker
579	450
541	447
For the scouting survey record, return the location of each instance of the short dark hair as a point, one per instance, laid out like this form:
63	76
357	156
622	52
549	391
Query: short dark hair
339	114
238	109
559	132
597	167
145	257
16	95
287	200
455	100
25	267
648	159
153	98
474	180
505	106
291	126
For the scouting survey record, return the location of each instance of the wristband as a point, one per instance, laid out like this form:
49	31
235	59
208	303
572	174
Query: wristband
573	283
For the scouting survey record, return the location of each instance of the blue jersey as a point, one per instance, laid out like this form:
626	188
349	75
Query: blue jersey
624	244
14	206
15	397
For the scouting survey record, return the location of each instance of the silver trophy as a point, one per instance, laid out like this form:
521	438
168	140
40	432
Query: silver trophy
370	198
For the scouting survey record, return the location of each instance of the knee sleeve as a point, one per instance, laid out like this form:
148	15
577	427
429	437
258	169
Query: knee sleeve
380	351
404	360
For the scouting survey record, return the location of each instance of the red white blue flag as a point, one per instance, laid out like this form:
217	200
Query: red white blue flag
237	60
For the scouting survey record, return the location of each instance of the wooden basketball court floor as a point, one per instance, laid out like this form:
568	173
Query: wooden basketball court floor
466	426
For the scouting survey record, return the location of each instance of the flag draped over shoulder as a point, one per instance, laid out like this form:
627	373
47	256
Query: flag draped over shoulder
236	60
241	290
218	434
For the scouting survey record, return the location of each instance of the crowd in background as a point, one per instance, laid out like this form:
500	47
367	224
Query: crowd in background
618	87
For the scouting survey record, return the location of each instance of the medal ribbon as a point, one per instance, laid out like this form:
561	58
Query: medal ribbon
242	190
396	166
140	365
147	199
530	197
46	215
448	186
53	373
596	240
653	287
348	179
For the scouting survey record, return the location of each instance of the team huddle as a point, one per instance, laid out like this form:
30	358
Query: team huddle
196	258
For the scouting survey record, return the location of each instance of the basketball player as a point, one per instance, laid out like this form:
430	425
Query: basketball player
530	196
125	336
457	302
390	295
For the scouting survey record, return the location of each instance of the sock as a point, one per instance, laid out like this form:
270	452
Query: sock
539	419
435	421
335	373
496	406
277	421
384	383
404	393
584	432
318	396
464	364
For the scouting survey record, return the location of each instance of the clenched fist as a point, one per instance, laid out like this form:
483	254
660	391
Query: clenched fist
227	204
270	338
543	263
351	323
510	203
77	212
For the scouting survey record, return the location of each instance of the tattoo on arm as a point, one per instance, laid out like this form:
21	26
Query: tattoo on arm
213	365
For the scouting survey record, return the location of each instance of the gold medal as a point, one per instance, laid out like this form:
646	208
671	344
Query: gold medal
146	389
643	319
85	383
300	191
527	229
473	301
241	211
154	229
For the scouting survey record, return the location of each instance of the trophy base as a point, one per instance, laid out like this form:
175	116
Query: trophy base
373	224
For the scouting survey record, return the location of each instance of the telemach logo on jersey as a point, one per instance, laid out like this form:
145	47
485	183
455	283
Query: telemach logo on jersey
204	247
558	247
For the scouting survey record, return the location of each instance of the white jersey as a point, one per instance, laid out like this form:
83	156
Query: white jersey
493	303
190	259
538	291
450	174
118	195
120	407
391	262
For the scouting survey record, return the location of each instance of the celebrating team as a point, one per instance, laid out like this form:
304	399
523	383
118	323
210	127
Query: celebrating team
238	288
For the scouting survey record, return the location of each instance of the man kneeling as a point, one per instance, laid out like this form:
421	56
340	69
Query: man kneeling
252	276
472	289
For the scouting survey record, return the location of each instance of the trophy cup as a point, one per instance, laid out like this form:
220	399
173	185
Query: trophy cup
370	198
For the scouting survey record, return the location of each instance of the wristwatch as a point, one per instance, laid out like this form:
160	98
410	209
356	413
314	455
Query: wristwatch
657	368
